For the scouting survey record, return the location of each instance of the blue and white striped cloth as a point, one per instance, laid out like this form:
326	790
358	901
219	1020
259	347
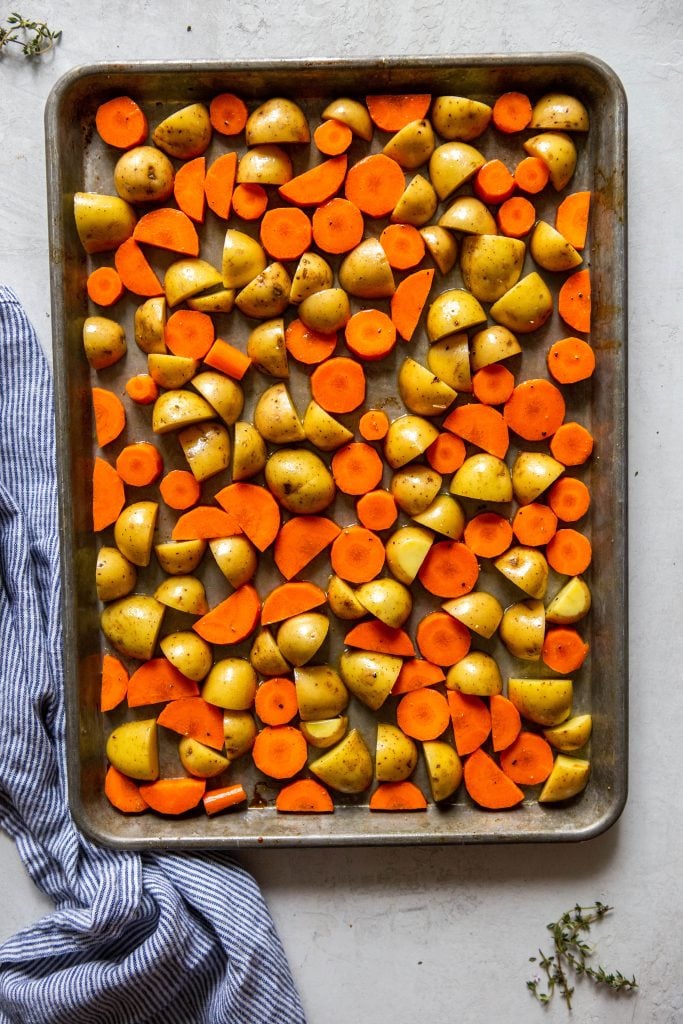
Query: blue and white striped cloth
133	939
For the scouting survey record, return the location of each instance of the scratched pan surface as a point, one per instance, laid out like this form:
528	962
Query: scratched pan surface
78	161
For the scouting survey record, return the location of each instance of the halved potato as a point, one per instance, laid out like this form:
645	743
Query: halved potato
300	480
483	477
457	117
132	625
104	341
134	531
102	222
133	749
267	295
266	348
365	272
532	474
170	371
491	264
369	676
206	446
301	636
408	437
326	310
453	311
445	515
352	113
144	175
568	778
441	246
347	767
395	754
526	306
544	701
571	735
184	594
388	600
571	603
422	392
239	730
479	611
323	430
342	600
180	557
449	359
186	133
451	165
150	325
243	258
188	277
320	692
477	673
236	558
406	550
313	274
418	203
522	629
559	110
526	567
231	684
412	145
222	393
220	301
551	250
558	153
188	652
469	215
200	760
444	768
276	418
115	576
492	345
325	732
266	656
278	120
249	451
264	165
415	487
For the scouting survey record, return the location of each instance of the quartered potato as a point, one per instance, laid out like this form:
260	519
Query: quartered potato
239	730
244	258
568	778
406	550
560	111
300	480
249	451
483	477
133	748
235	557
479	611
458	117
491	265
180	557
266	348
276	418
551	250
532	474
571	604
365	272
527	568
422	392
115	576
544	701
449	360
134	531
104	341
415	487
492	344
313	274
323	430
169	371
264	165
200	760
388	600
441	246
451	165
301	637
408	437
325	732
277	121
525	306
412	146
188	653
395	754
558	153
326	310
223	394
352	113
150	325
267	295
470	216
418	203
265	655
320	692
453	311
102	222
477	673
184	594
444	768
369	676
571	735
132	625
347	767
522	629
342	600
186	133
231	684
206	447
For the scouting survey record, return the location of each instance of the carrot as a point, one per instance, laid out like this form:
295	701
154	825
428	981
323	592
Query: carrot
357	468
196	718
104	286
481	425
307	345
511	112
291	599
337	226
574	301
370	334
571	218
357	555
506	721
338	384
229	360
441	639
157	681
572	444
398	796
488	785
376	510
488	534
393	111
403	245
217	800
254	509
375	184
168	229
110	415
122	792
535	409
173	796
205	523
471	721
300	540
409	300
189	333
373	425
446	453
285	233
569	499
220	183
228	113
305	796
493	384
142	389
571	360
249	201
134	270
275	702
280	751
316	185
516	217
528	760
121	122
569	552
531	175
376	636
423	714
180	489
232	620
114	686
332	137
416	673
564	650
534	524
449	569
493	182
108	495
188	188
139	464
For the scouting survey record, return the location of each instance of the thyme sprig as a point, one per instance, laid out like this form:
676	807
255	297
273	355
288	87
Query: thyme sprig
34	37
571	953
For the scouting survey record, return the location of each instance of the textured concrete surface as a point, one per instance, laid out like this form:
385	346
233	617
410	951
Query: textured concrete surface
444	934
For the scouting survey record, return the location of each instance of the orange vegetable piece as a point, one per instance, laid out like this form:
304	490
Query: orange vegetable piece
142	389
423	714
108	495
285	233
564	650
139	464
280	751
337	226
196	718
375	184
217	800
219	184
403	245
481	425
307	345
134	270
511	112
441	639
449	569
493	182
357	555
409	300
180	489
571	218
516	217
121	122
316	185
531	175
300	540
228	359
114	685
488	534
189	333
535	409
398	796
357	468
104	286
446	453
569	552
110	415
572	444
393	111
370	334
416	673
173	796
493	384
377	510
534	524
169	229
188	188
232	620
488	785
333	137
338	384
276	702
291	599
205	523
528	760
228	113
574	301
376	636
506	722
157	681
373	425
305	796
471	721
569	499
254	509
123	792
249	201
571	360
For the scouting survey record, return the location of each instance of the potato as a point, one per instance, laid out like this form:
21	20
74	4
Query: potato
568	778
223	394
326	310
115	576
323	430
144	175
189	653
150	325
365	272
134	531
395	754
180	557
421	391
449	359
276	121
188	277
571	735
169	371
415	487
477	673
408	437
342	600
544	701
412	145
239	730
492	345
231	684
557	110
451	165
441	246
369	676
320	692
388	600
266	348
444	768
132	625
249	451
244	258
479	611
558	153
522	629
104	341
483	477
301	637
526	306
551	250
571	604
267	295
206	447
276	418
347	767
236	558
417	205
325	732
406	550
491	265
313	274
444	515
352	113
453	311
264	165
132	748
469	215
221	301
457	117
300	481
526	567
532	474
186	133
200	760
266	656
184	594
102	222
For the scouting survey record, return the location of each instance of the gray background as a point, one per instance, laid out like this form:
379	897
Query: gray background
404	934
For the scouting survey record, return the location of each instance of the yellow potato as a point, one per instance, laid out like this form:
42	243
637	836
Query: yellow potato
249	451
421	391
277	121
206	447
477	673
150	325
444	768
189	653
239	730
220	301
492	345
352	113
188	277
144	175
264	165
244	258
323	430
483	477
445	515
469	215
132	748
313	274
115	576
412	145
406	550
571	735
558	110
184	594
134	531
236	558
449	359
417	205
571	603
415	487
300	480
369	676
532	474
491	265
326	732
267	295
526	567
558	153
326	310
395	754
365	272
301	637
458	117
169	371
266	656
408	437
479	611
441	246
544	701
231	684
551	250
320	692
200	760
132	625
104	341
453	311
180	557
522	629
568	778
102	222
451	165
347	767
186	133
526	306
276	418
342	600
388	600
222	393
266	348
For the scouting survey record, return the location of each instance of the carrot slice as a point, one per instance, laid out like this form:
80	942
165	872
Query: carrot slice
534	524
481	425
393	111
528	760
493	384
403	245
356	468
254	509
276	701
493	182
409	300
333	137
142	389
196	718
291	599
449	569
220	183
376	636
571	360
228	359
307	345
180	489
249	201
373	425
535	409
121	122
571	218
134	270
122	792
338	384
316	185
357	555
232	620
423	714
446	453
114	685
488	534
441	639
280	751
569	552
205	523
569	499
188	188
228	113
217	800
110	415
572	444
189	333
370	334
104	286
375	184
337	226
173	796
300	540
574	301
398	796
531	175
157	681
168	229
488	785
415	674
506	721
285	233
511	112
516	217
377	510
471	721
108	495
139	464
305	796
564	650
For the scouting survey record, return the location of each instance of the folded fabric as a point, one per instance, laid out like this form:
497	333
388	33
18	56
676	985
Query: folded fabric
179	938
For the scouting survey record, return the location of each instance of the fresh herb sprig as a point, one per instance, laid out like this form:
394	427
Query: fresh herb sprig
34	37
571	953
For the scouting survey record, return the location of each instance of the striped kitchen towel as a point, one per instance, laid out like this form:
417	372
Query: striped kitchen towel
133	939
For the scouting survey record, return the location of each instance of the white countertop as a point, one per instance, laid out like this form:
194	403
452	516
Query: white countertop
444	934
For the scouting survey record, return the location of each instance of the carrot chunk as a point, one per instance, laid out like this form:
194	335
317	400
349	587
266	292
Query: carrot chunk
488	785
398	796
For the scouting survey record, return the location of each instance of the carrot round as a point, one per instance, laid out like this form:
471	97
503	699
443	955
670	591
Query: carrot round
393	111
398	796
441	639
572	444
206	522
511	112
275	702
280	751
180	489
449	569
528	760
307	345
574	301
571	360
571	218
409	300
134	270
110	415
168	229
157	681
357	555
173	796
219	184
304	796
493	182
188	188
337	226
481	425
370	334
121	122
506	722
516	217
488	785
423	714
228	113
416	673
114	684
332	137
139	464
403	245
356	468
375	184
285	232
316	185
446	453
104	286
228	359
535	409
488	534
300	540
122	792
233	619
534	524
189	333
531	175
254	509
493	384
569	499
376	636
142	389
108	495
564	650
338	384
471	721
291	599
196	718
217	800
569	552
376	510
249	201
373	425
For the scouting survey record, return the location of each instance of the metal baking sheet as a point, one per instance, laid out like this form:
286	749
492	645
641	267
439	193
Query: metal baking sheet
78	161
